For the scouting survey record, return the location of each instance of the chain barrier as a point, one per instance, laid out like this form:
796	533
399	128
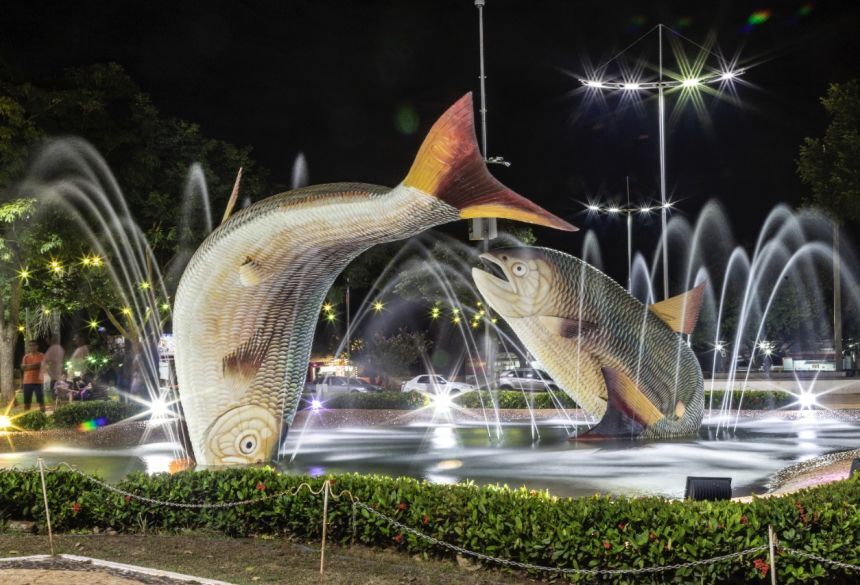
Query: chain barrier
532	567
357	504
204	505
800	553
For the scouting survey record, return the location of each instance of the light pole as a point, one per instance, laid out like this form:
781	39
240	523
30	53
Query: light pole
724	74
628	212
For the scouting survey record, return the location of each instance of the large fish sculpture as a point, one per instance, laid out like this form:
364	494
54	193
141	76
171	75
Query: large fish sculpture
623	362
250	297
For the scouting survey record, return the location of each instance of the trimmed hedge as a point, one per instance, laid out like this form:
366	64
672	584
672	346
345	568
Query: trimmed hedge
517	524
374	400
516	399
72	415
35	420
752	399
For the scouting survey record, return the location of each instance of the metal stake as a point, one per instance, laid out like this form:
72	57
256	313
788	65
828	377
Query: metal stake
771	538
661	108
324	522
47	509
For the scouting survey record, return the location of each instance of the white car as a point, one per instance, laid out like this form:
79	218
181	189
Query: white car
434	384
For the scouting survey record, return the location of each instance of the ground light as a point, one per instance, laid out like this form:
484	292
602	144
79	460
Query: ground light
708	488
807	400
316	404
5	422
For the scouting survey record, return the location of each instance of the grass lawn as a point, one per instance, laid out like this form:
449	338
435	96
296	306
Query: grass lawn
255	561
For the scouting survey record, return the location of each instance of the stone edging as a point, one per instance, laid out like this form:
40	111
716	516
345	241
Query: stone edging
786	474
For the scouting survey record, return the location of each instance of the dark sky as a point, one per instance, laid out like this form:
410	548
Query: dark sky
342	81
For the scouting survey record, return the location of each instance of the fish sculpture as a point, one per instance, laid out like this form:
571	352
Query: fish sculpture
623	362
248	301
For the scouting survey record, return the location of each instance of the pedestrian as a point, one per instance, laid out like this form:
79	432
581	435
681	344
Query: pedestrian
52	366
33	379
78	361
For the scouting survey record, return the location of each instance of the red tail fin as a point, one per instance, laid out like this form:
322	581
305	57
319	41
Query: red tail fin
449	166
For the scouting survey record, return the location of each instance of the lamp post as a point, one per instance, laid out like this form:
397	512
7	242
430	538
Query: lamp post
628	212
661	85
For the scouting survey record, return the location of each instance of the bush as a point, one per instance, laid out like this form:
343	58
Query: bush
375	400
752	399
517	524
34	420
516	399
72	415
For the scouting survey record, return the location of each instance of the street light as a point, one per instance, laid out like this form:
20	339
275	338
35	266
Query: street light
724	75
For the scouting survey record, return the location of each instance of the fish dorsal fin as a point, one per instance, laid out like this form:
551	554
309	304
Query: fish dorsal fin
567	328
681	312
234	195
242	363
628	410
449	166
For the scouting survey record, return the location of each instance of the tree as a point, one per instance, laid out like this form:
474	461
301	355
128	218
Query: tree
395	354
831	165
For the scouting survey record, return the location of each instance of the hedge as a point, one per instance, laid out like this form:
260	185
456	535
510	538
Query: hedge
516	399
35	420
752	399
518	524
110	411
373	400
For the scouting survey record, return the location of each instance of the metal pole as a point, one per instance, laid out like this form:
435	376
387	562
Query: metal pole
629	240
771	538
348	332
837	300
47	509
662	132
487	223
324	522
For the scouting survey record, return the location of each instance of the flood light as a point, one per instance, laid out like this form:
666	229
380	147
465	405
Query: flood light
5	421
708	488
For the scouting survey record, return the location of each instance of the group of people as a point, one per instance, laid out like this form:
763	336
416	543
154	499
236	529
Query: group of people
43	371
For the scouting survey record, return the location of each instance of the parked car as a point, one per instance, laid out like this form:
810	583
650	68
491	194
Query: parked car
434	384
342	385
526	379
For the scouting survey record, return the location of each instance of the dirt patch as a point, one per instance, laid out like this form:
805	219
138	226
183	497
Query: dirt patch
256	561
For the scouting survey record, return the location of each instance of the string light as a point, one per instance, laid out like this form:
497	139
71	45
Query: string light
24	274
126	311
378	306
435	312
145	285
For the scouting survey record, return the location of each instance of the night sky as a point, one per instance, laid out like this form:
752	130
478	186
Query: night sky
355	85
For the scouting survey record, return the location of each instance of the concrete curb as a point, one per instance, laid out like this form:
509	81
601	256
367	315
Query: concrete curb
122	567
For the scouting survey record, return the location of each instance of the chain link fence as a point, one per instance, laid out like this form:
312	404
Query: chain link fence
772	548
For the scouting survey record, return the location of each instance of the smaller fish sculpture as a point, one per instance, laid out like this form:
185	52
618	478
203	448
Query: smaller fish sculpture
623	362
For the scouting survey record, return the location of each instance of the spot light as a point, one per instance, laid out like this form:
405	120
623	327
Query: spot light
807	400
708	488
316	404
5	421
442	402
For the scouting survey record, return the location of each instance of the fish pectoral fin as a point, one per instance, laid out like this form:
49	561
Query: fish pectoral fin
628	412
567	328
252	272
681	312
241	365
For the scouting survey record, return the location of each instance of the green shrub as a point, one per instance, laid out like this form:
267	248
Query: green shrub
72	415
516	399
35	420
752	399
374	400
517	524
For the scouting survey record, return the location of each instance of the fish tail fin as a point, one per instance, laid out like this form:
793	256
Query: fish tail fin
628	411
450	167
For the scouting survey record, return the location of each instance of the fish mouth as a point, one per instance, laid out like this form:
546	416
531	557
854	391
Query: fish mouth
494	272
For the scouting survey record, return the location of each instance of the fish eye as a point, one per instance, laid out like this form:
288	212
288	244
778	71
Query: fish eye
247	443
519	269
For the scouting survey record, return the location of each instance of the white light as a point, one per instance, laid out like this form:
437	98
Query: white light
690	83
631	85
316	404
727	75
806	400
613	210
644	210
5	421
158	410
597	84
442	402
594	208
667	205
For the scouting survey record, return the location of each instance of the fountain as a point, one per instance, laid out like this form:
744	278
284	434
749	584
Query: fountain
791	262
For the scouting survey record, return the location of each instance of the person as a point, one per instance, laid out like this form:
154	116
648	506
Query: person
52	366
78	361
33	379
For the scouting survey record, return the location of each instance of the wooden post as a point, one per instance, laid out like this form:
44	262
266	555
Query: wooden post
47	510
771	539
326	489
